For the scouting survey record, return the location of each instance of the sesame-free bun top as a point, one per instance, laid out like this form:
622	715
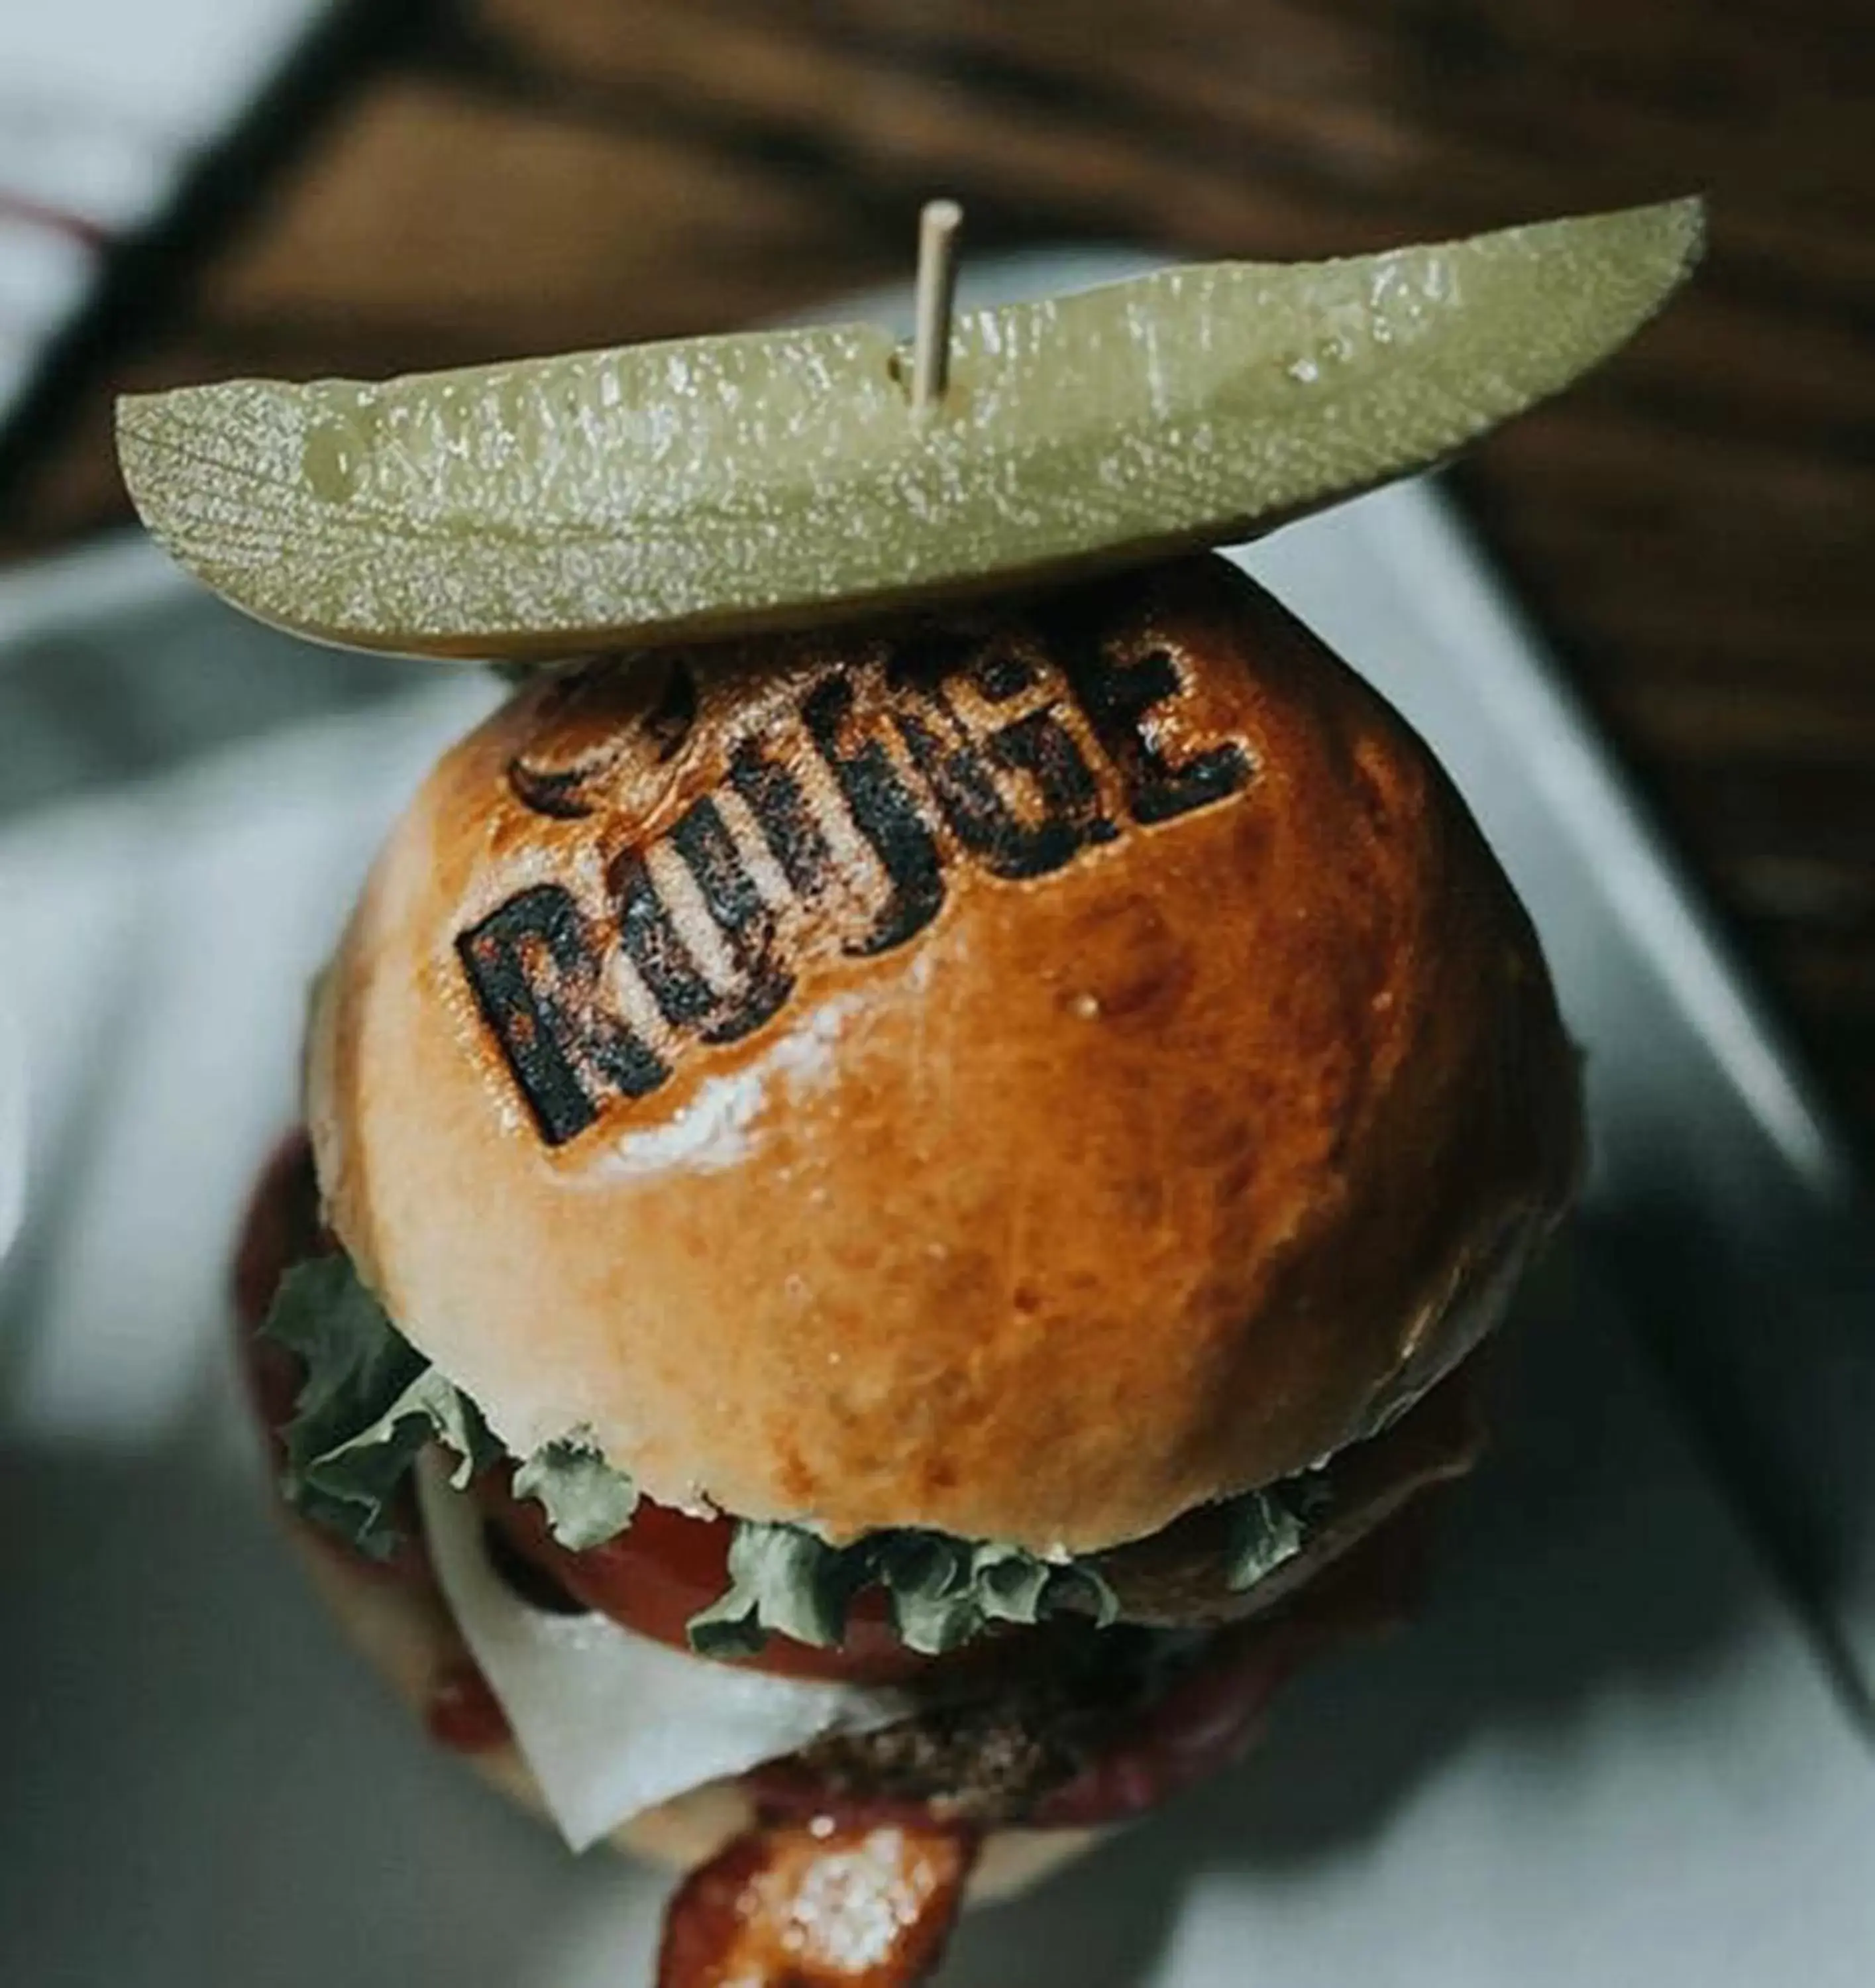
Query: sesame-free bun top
1026	1072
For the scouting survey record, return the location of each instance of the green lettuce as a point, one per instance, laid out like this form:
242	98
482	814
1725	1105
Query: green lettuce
786	1580
587	1501
371	1403
945	1591
368	1406
1271	1526
782	1578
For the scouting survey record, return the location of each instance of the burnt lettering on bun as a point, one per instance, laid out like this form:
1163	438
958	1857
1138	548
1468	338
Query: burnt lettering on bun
1014	750
1015	789
535	964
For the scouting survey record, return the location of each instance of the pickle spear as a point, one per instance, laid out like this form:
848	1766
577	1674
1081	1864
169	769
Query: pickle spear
541	508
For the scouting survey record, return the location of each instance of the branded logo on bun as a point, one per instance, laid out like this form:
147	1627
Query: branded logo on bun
836	816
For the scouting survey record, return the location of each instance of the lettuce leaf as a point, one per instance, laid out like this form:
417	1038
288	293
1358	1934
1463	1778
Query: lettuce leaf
371	1403
782	1578
1269	1527
587	1502
944	1591
368	1405
786	1580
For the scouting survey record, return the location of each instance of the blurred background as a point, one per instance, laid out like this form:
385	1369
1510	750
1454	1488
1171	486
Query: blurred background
196	188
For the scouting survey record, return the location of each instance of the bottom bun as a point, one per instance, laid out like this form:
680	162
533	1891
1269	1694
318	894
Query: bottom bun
405	1631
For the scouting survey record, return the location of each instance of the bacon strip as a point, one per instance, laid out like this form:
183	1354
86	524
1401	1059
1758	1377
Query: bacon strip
819	1905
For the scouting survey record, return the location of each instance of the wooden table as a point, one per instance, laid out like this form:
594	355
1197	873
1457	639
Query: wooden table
456	179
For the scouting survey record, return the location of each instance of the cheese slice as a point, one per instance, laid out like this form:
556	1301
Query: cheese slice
612	1723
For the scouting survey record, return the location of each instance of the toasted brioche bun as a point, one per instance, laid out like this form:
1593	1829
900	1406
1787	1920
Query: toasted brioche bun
407	1634
909	1188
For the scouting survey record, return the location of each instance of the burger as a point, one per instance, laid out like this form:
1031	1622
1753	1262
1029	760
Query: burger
893	1226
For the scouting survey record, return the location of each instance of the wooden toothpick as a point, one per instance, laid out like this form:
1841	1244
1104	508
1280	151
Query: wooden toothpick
938	222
